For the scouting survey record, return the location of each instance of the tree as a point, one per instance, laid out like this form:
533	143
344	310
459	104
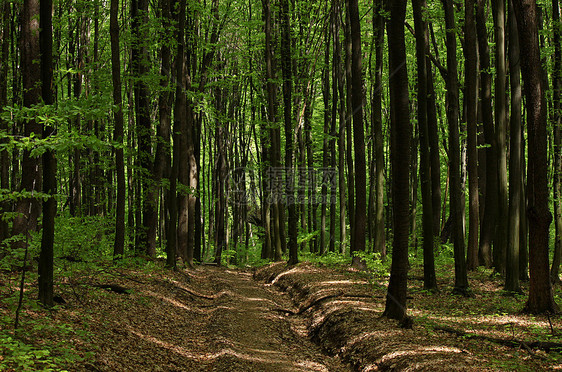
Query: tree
357	98
455	193
540	298
286	68
489	216
471	98
28	208
401	133
422	40
49	161
4	154
500	242
557	121
119	243
515	160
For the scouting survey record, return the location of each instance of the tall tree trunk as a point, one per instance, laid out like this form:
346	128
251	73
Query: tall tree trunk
286	63
326	155
357	101
49	161
4	155
471	97
401	133
557	122
455	194
162	156
28	209
500	243
140	64
422	39
342	129
515	160
348	125
378	30
488	222
435	158
541	298
119	243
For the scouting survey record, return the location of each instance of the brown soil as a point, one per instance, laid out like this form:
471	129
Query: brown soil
305	318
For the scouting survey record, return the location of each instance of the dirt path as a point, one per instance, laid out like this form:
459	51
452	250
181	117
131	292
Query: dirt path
211	319
249	333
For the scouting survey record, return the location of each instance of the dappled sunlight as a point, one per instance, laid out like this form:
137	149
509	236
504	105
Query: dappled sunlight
169	346
294	270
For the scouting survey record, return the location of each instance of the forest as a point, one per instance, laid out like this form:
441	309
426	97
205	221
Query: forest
391	164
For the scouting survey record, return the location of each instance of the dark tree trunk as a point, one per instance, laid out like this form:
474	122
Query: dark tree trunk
4	155
401	133
515	178
488	221
49	160
471	97
342	128
286	63
541	298
455	194
422	39
357	101
378	30
28	209
119	243
140	64
162	155
500	242
557	122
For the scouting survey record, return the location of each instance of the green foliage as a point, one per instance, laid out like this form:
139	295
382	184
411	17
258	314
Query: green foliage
375	263
330	259
17	355
84	238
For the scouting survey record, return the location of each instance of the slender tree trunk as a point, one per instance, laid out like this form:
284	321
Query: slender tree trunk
326	155
435	158
378	30
28	209
342	129
422	38
348	125
49	161
471	97
455	194
541	298
401	133
489	219
500	242
557	122
515	160
4	155
119	243
357	100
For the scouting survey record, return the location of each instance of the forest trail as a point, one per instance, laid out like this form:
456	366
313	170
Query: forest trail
247	332
210	319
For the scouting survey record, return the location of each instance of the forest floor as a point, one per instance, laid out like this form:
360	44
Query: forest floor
304	318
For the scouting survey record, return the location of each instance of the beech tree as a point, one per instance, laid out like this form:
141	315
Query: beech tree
540	299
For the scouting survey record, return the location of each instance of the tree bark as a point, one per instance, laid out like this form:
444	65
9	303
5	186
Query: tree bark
357	100
455	193
471	97
286	63
119	242
541	298
4	155
46	254
28	209
401	133
557	122
489	219
515	178
422	39
500	242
